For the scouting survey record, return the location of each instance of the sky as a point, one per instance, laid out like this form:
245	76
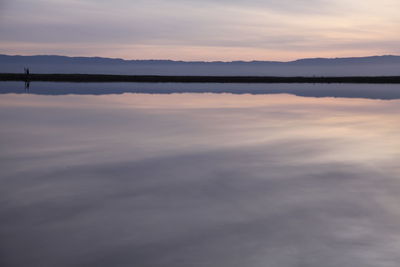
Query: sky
206	30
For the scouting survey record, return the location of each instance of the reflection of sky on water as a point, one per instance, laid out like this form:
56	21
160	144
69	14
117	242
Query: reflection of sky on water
198	180
372	91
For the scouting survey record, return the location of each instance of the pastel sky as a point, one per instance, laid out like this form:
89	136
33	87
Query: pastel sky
201	29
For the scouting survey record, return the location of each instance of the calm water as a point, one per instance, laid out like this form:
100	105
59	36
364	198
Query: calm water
199	179
370	91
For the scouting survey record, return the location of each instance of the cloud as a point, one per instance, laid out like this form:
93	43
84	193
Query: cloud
183	25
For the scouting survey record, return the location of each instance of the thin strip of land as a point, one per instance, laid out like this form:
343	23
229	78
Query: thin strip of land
193	79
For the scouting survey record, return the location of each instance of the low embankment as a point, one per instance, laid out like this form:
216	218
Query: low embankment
192	79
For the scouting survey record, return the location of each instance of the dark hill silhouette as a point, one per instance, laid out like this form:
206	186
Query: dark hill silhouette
355	66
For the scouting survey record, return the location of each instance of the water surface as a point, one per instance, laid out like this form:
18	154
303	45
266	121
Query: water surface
370	91
199	180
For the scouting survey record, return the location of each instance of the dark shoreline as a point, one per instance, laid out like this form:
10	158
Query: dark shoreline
193	79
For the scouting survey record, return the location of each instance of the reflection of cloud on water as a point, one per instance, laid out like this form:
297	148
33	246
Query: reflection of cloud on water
123	186
368	91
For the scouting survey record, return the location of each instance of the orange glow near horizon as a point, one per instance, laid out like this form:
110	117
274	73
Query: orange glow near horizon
184	53
206	31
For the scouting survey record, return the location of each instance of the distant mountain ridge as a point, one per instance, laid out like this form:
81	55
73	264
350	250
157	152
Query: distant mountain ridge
373	65
352	60
56	58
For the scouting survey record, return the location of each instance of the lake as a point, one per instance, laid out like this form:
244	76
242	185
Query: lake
199	175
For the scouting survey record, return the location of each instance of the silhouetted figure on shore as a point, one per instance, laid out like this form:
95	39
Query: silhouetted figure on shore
27	80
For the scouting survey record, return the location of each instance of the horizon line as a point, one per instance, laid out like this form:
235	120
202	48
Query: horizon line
200	61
